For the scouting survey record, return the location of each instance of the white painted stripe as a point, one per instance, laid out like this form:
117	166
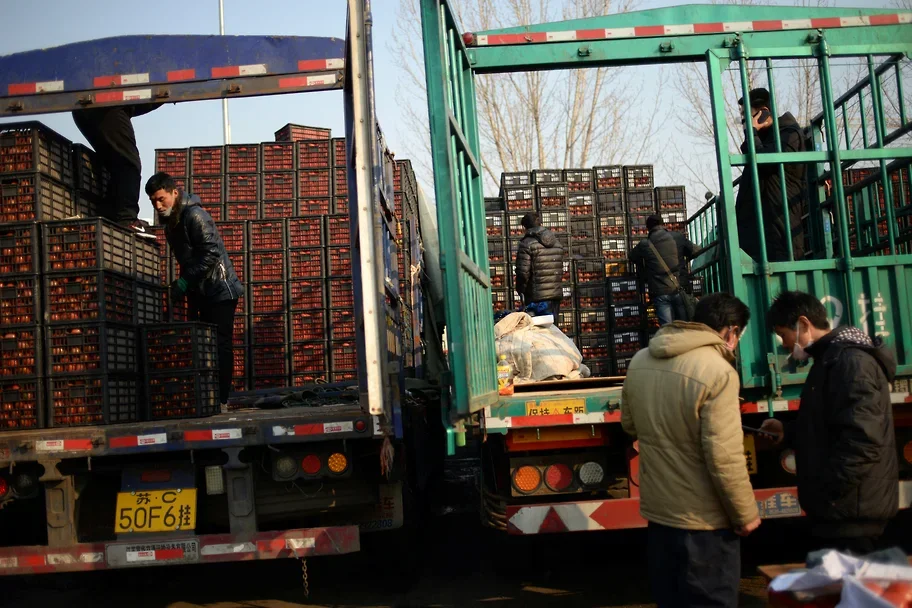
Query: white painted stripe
300	543
498	423
738	26
130	79
313	81
899	397
9	562
673	30
335	64
378	430
621	32
228	549
338	427
140	556
49	445
137	94
854	21
905	17
481	40
152	439
905	494
796	24
221	434
561	36
528	520
576	516
57	559
282	431
252	70
589	418
48	87
91	558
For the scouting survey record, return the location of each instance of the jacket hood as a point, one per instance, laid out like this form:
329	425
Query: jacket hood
787	120
681	337
852	337
189	200
542	235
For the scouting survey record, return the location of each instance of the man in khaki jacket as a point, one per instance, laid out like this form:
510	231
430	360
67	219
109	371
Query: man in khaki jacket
680	401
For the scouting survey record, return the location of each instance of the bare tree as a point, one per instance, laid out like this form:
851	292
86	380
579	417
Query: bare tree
529	120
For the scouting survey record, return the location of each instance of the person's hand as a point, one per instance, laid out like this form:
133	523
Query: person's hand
770	425
746	529
178	290
755	121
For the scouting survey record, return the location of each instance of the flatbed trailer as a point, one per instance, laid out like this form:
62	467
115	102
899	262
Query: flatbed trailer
546	429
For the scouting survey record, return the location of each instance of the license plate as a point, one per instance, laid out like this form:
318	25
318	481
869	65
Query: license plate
750	454
551	407
155	511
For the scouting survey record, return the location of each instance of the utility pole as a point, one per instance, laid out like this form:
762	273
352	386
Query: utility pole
226	128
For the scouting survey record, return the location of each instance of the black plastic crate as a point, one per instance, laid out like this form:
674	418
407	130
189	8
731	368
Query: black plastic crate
618	268
234	235
505	299
277	210
179	347
149	300
403	175
592	322
31	146
182	395
581	203
87	205
340	181
515	229
547	176
341	324
595	346
279	186
608	177
638	176
339	261
207	160
277	156
500	275
626	317
147	260
497	250
20	300
293	132
260	382
313	154
338	151
21	352
555	220
210	189
88	348
510	179
239	264
242	158
612	225
636	225
310	359
307	325
304	232
567	321
494	203
610	202
626	343
337	230
621	364
584	249
671	198
77	297
309	262
89	174
591	295
268	361
614	248
590	270
177	312
339	293
600	368
624	290
267	266
19	249
343	355
673	217
240	211
267	235
552	196
267	298
521	198
307	294
93	399
173	161
340	205
315	183
513	247
583	229
22	403
268	329
578	180
242	188
495	223
240	378
28	197
640	201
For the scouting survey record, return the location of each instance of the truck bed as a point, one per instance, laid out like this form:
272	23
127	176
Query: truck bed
238	428
586	401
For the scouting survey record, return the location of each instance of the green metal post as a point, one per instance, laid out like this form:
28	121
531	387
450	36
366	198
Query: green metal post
784	193
752	159
880	133
899	93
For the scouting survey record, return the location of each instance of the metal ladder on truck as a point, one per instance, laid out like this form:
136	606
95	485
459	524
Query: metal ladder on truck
722	38
175	69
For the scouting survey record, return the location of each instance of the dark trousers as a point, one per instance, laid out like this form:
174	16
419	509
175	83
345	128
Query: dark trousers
110	133
670	308
693	569
555	308
222	315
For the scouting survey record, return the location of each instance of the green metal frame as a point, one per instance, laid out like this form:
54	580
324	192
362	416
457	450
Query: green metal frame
841	279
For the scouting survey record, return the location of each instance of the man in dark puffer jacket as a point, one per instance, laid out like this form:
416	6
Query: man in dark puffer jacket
540	265
844	440
207	275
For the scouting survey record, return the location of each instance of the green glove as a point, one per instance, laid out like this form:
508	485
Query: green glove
178	289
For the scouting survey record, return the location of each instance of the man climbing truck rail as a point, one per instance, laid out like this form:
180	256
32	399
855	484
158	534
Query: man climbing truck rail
554	458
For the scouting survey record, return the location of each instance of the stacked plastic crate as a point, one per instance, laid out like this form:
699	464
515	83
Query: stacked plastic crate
242	182
181	370
235	237
611	214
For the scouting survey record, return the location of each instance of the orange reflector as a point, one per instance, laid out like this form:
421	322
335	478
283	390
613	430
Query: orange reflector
558	477
337	463
527	478
907	452
311	464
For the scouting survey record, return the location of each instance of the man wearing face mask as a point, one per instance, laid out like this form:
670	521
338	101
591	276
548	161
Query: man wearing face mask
207	276
680	402
843	437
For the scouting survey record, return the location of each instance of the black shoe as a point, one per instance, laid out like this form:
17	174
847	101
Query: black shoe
138	228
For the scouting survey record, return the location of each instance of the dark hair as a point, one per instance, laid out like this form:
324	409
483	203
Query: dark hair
654	220
531	220
160	181
721	310
789	305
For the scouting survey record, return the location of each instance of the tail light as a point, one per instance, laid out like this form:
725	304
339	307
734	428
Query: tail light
907	452
337	463
286	467
787	460
527	479
311	464
558	477
4	487
591	474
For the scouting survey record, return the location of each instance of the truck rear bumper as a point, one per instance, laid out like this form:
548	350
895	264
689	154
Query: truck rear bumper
172	550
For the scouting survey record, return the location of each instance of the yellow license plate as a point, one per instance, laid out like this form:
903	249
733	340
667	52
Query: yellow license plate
155	511
750	454
551	407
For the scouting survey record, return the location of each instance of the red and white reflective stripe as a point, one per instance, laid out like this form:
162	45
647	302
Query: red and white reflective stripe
121	80
212	435
31	88
320	428
516	422
779	405
647	31
59	559
157	555
64	445
228	549
132	441
900	398
313	65
233	71
134	95
176	75
307	81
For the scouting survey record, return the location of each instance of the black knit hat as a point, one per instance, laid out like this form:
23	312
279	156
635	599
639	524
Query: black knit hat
758	97
654	220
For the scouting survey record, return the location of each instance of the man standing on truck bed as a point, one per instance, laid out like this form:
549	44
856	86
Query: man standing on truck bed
778	229
540	265
664	288
207	276
844	439
680	402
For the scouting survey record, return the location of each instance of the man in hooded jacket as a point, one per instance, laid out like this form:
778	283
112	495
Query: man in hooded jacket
843	437
207	276
540	265
778	229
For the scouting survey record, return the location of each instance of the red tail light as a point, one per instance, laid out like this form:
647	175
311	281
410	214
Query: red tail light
558	477
4	487
311	464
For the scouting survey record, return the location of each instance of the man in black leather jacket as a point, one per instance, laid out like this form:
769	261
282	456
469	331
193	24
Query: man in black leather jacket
540	265
207	276
844	438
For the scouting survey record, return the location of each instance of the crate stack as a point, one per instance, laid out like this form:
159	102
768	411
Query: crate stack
409	248
611	214
639	196
180	370
865	232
